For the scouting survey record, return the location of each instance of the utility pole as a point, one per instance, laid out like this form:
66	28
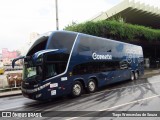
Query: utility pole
57	24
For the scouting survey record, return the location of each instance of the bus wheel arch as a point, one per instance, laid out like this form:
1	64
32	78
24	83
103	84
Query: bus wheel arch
82	82
92	85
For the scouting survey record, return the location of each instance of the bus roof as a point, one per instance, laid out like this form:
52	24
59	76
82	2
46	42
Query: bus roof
44	38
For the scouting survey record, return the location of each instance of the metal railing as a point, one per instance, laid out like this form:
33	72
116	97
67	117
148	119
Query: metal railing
9	68
10	81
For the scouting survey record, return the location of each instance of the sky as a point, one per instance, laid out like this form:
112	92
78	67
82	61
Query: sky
19	18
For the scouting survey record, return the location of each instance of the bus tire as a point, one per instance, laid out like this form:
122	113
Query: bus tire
91	86
136	75
77	89
132	76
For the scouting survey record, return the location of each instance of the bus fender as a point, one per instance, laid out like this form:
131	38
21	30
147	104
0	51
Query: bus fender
81	80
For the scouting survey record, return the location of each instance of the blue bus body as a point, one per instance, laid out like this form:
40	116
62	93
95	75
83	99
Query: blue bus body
54	63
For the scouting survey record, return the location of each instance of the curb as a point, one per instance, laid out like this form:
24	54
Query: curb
10	95
152	72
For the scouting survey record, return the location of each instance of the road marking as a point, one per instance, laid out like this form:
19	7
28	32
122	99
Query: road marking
132	102
136	101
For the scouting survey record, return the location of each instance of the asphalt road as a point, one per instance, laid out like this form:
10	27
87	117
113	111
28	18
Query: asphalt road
140	95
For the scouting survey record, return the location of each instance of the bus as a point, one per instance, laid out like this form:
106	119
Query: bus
68	63
2	70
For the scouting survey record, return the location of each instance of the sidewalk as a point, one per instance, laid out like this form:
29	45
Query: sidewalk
149	72
12	92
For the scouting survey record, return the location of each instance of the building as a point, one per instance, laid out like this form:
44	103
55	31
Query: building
8	56
134	13
140	14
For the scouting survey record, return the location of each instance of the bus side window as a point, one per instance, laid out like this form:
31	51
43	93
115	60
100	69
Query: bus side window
50	70
95	67
123	65
109	51
61	67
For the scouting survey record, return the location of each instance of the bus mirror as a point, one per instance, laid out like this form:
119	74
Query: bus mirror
14	60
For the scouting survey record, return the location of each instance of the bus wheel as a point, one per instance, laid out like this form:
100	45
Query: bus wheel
77	89
91	86
136	75
132	76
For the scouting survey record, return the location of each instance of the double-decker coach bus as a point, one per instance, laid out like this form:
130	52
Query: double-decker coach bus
64	63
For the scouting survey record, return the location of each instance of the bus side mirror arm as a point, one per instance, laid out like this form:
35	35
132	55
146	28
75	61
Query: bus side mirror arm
14	60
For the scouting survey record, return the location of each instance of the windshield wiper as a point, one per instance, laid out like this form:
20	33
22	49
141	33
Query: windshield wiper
14	60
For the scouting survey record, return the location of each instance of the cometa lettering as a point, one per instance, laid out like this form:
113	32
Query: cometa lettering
101	57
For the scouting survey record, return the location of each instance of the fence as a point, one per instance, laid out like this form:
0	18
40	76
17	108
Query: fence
9	68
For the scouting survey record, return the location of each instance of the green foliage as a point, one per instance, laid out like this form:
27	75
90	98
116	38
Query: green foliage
116	30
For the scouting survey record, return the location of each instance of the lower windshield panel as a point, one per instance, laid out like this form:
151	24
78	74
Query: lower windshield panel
31	71
34	73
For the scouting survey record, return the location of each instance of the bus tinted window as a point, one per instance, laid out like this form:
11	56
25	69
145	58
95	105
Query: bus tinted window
94	67
53	69
93	44
58	57
55	64
40	44
61	41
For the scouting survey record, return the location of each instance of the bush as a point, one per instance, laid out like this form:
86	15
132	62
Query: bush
116	30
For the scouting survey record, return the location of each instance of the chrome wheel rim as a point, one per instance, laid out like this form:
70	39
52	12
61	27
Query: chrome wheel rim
91	86
77	89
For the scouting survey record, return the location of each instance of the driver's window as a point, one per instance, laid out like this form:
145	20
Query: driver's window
50	70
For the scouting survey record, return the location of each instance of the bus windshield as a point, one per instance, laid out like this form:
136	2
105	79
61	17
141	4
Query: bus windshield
32	71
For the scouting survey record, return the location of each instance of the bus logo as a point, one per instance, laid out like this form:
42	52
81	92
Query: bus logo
95	56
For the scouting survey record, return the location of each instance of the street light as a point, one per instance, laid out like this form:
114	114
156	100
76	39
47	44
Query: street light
57	24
